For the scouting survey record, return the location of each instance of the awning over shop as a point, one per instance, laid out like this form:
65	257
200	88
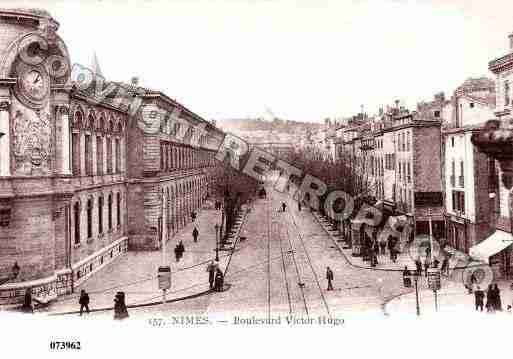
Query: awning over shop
492	245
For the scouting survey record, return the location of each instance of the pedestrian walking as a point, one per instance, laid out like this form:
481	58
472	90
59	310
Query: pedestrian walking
195	234
27	302
329	277
490	307
418	266
497	298
299	206
479	297
218	281
120	310
445	266
406	277
283	206
211	269
428	251
179	249
84	301
193	216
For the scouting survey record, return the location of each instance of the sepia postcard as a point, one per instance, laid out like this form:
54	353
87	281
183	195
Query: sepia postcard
248	178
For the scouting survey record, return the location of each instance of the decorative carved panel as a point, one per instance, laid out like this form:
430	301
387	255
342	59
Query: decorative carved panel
32	140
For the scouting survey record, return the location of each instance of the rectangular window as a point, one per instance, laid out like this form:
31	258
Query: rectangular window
76	219
100	215
462	174
161	156
75	148
118	156
99	156
89	218
458	201
88	156
109	155
109	218
118	209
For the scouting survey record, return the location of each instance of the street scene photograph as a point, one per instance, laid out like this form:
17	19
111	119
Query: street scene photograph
215	174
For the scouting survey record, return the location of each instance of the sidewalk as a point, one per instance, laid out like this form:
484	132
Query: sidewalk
405	258
136	272
452	298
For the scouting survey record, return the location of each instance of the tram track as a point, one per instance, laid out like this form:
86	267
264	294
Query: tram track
310	264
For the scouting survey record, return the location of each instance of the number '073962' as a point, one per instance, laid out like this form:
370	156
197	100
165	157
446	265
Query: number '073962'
65	345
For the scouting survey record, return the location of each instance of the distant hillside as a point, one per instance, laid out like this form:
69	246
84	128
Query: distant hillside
259	124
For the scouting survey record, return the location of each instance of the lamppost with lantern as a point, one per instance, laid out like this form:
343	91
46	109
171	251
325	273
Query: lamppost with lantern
217	241
15	271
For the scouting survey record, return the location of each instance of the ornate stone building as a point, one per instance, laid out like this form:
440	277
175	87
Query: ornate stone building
81	181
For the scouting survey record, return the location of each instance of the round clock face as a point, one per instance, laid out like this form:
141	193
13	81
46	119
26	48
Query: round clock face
33	86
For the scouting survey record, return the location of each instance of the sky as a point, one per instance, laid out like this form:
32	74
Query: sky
303	60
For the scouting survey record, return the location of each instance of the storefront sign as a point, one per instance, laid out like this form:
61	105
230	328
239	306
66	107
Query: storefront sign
428	199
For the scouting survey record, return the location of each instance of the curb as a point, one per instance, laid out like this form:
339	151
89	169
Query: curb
314	214
192	296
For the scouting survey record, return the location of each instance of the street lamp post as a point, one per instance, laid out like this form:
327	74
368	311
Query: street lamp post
416	278
217	242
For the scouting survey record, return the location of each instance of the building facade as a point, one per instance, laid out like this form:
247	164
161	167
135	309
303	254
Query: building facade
81	182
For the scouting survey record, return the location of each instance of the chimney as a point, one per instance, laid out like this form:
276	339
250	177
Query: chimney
134	80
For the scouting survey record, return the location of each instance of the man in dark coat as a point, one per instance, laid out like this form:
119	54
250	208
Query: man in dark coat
195	234
84	301
27	302
193	216
329	277
120	310
211	269
283	206
219	281
418	266
479	298
299	206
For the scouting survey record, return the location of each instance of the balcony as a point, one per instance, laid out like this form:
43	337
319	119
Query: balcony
496	141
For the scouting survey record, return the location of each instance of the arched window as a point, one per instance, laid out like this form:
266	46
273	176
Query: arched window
76	219
110	212
100	214
89	218
118	208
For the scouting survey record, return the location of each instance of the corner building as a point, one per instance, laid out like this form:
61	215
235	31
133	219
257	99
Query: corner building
80	182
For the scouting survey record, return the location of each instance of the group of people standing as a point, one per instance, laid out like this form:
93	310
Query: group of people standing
215	277
372	249
493	298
